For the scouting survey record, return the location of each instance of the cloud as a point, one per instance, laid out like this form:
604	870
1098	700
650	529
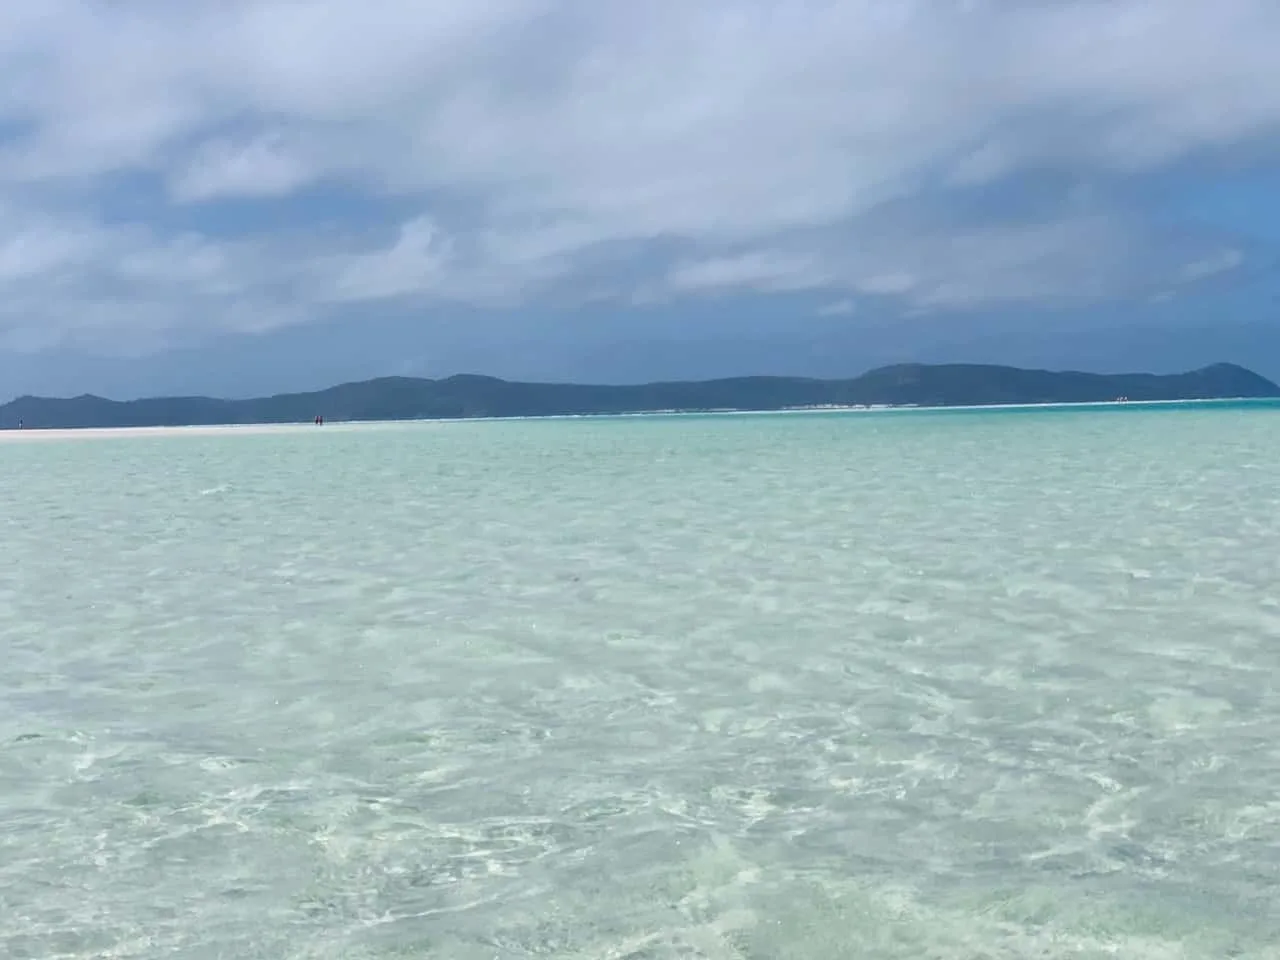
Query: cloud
265	166
127	287
413	264
1220	262
526	148
838	308
760	271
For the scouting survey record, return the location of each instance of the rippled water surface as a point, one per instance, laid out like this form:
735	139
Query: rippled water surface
886	685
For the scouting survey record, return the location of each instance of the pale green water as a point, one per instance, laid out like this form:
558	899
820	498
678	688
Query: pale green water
997	685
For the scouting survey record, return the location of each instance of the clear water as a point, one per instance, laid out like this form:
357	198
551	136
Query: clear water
886	685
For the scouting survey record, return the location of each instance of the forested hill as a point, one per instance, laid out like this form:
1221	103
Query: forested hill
401	398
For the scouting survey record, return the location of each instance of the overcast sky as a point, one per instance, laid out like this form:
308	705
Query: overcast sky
238	195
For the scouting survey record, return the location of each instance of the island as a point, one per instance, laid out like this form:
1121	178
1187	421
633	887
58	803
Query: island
469	395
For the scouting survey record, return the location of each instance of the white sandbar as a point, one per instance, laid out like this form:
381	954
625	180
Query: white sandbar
91	433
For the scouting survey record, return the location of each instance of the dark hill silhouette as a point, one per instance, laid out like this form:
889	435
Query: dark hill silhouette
404	398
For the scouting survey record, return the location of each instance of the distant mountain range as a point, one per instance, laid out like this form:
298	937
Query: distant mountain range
404	398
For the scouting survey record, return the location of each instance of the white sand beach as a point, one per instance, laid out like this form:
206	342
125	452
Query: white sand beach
103	433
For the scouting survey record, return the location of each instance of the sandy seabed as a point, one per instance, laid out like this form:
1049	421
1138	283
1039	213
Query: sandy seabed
886	687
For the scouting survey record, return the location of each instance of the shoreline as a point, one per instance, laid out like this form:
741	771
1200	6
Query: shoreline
13	434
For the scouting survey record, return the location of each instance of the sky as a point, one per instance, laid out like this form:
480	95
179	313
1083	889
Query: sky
247	196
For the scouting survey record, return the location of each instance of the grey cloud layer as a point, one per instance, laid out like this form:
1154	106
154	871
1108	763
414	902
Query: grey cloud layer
760	144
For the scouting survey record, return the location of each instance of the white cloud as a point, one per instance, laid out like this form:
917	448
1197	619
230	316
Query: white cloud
1220	262
758	271
930	263
413	264
265	166
72	280
759	138
44	250
838	308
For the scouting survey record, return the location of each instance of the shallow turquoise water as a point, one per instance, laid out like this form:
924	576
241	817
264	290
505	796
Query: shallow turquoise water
890	685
